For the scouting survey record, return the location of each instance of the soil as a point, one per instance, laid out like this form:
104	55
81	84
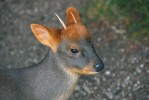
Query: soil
126	73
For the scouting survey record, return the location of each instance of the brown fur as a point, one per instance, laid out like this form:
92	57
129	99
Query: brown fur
76	32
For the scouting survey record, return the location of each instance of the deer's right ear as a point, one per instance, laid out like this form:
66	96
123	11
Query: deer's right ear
45	35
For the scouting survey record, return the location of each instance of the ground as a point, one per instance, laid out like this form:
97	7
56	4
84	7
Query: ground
126	73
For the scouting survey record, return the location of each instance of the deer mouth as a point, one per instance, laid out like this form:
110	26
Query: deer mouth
92	68
89	70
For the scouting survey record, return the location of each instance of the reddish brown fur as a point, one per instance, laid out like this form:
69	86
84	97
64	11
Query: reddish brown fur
76	32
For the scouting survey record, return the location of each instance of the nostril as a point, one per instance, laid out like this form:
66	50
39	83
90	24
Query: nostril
99	67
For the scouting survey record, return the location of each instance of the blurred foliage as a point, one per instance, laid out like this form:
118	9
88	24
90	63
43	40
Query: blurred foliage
134	12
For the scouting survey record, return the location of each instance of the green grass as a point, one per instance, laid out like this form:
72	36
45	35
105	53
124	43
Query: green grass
136	11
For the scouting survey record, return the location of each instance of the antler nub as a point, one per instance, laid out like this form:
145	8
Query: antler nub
73	17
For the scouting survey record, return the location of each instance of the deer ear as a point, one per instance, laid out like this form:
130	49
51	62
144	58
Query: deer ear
72	16
45	35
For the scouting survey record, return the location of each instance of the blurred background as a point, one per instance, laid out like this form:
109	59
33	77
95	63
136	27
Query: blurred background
120	33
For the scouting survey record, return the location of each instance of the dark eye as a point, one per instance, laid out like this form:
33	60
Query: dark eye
74	51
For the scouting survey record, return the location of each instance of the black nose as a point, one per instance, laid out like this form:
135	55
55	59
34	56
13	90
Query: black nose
99	67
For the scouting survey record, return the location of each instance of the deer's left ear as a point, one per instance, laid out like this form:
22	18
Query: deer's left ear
46	36
72	16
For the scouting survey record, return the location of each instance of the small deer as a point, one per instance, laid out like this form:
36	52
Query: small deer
71	54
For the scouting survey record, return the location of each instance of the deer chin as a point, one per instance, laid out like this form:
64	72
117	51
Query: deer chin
87	70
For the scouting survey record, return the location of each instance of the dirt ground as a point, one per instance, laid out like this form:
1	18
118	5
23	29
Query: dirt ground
126	73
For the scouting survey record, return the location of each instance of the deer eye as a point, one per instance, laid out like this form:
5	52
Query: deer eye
74	51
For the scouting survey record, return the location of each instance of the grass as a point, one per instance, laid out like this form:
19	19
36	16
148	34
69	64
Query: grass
136	11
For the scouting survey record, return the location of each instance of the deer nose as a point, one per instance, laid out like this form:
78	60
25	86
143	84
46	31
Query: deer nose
99	67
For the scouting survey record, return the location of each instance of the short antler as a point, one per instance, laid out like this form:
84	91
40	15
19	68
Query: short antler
73	17
63	24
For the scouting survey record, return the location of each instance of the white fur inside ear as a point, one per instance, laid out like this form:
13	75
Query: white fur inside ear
73	17
43	34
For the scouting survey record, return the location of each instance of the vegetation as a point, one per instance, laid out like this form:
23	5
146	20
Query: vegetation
135	11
